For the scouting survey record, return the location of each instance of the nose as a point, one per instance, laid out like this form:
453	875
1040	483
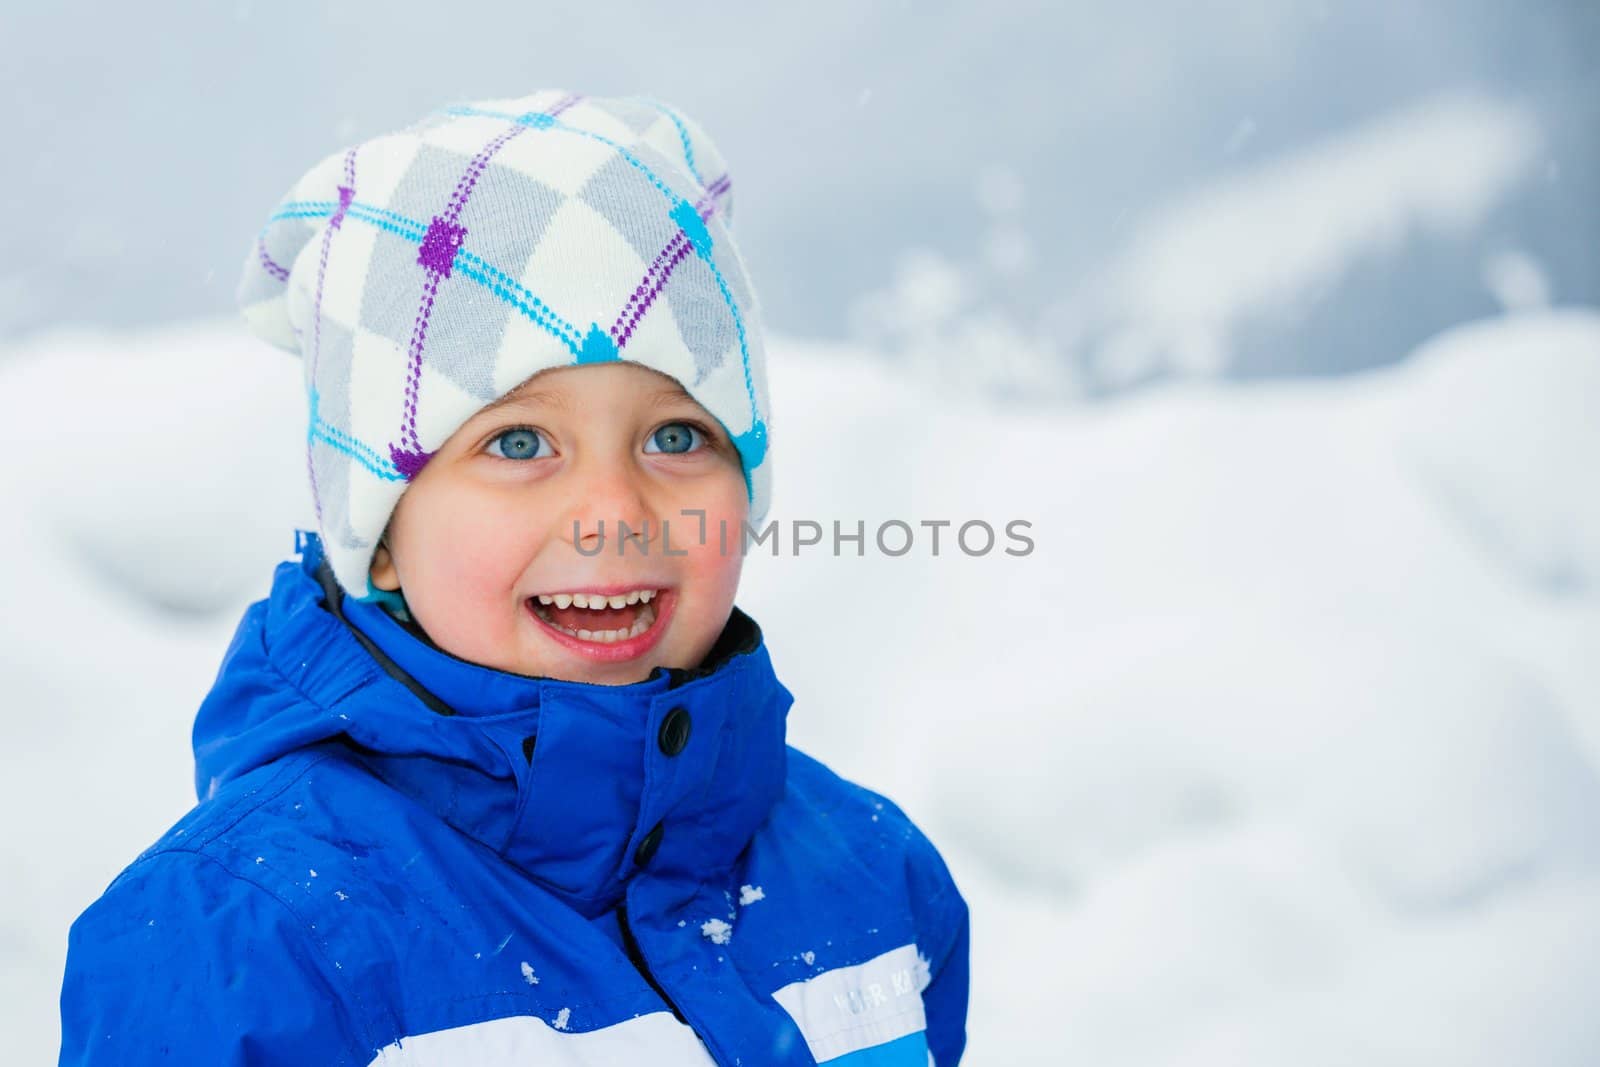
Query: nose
610	501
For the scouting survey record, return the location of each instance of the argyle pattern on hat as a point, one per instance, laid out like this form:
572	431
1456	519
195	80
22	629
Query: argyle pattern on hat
425	273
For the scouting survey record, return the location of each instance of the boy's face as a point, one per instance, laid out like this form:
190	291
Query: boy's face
482	542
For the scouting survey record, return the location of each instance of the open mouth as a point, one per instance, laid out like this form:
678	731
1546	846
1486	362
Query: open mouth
600	618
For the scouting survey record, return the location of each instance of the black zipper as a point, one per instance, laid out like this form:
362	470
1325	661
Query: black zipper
333	595
631	945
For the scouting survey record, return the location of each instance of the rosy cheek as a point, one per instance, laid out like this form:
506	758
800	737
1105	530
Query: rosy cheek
715	561
477	549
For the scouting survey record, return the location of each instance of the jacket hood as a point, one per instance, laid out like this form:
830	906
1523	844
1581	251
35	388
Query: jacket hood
576	784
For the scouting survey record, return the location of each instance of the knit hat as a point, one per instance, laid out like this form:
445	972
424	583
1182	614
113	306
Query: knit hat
424	274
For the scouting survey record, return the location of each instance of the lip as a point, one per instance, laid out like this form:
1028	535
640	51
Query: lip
618	651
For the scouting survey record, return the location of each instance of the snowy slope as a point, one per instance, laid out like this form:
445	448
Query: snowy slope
1281	746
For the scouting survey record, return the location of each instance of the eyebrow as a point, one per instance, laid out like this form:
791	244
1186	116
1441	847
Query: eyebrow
559	401
666	397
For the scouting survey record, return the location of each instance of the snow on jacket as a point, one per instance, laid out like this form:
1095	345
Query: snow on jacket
402	858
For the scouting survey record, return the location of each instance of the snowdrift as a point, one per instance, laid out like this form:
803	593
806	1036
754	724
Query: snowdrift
1280	746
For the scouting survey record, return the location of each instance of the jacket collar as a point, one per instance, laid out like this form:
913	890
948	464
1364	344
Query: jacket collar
568	781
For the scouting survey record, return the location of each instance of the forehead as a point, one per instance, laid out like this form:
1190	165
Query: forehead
593	385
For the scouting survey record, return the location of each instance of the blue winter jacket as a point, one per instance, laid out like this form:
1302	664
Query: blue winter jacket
402	858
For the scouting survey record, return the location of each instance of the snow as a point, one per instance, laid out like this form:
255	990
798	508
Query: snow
1512	453
1286	735
1224	277
1517	280
562	1018
1244	244
716	931
749	894
1281	747
527	973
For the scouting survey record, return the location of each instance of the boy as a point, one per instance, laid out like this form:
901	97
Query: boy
496	773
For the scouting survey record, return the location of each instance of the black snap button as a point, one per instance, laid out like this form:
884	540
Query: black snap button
674	736
647	848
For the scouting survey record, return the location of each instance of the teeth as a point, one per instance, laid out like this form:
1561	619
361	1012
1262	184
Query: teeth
594	601
646	619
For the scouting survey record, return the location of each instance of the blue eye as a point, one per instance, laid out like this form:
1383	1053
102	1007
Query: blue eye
516	444
675	437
